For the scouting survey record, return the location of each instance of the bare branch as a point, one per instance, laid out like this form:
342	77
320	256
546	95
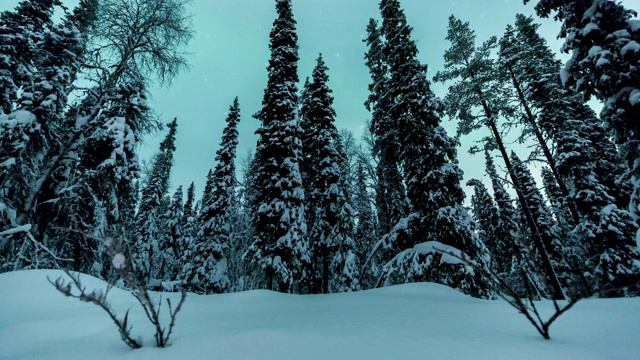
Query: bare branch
97	298
528	308
124	267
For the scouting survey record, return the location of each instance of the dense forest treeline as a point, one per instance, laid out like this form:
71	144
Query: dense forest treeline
312	210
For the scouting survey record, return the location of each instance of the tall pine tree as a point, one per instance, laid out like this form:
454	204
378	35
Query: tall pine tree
478	86
587	159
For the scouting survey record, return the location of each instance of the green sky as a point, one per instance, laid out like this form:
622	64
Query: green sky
229	54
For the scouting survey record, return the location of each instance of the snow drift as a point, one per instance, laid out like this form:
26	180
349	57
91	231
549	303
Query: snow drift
414	321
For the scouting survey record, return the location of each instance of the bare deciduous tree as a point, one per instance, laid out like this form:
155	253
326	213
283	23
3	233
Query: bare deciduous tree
131	41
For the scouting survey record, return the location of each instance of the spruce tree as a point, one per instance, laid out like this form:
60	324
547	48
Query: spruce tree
605	231
145	245
95	188
189	203
213	241
23	135
169	247
603	39
390	192
119	78
587	159
437	220
486	215
58	62
309	147
508	225
207	193
82	155
188	248
365	230
553	247
514	58
503	200
539	73
522	271
345	265
556	198
22	31
64	51
280	245
331	230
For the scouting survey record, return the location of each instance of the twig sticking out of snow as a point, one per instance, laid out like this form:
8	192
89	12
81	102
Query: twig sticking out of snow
98	298
525	305
124	267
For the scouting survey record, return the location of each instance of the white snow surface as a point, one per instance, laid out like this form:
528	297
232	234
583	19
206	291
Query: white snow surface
413	321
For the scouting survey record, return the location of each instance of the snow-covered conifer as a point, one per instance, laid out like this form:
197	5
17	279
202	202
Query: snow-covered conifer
280	245
22	30
493	235
189	202
553	245
145	246
390	192
213	241
603	38
516	59
587	159
365	230
428	156
330	231
23	136
478	86
209	185
556	198
508	222
170	237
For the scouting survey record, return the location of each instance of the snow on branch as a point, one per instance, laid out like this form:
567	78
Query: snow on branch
418	260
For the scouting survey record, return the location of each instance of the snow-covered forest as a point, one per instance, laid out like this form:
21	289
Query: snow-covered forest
316	210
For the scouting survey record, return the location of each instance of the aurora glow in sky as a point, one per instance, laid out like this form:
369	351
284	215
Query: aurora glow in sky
229	54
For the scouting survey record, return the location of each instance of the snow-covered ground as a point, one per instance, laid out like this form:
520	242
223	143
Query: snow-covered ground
416	321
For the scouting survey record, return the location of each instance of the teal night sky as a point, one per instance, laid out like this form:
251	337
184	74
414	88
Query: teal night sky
229	54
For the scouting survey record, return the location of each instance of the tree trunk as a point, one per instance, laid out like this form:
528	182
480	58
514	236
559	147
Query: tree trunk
538	238
545	149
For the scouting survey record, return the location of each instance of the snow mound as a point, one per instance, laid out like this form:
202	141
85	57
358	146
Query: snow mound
412	321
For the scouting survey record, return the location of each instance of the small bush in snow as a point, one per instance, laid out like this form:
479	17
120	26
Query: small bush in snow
138	289
526	303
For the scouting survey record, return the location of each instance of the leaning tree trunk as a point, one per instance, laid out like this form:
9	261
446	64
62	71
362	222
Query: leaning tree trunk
545	149
538	238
